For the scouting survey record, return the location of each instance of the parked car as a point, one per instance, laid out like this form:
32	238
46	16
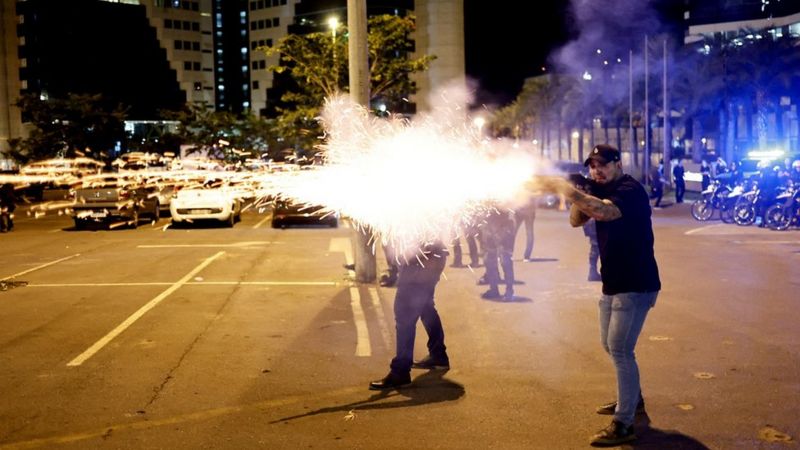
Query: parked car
211	201
111	199
286	213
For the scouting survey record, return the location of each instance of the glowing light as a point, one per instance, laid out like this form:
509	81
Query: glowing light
587	76
766	155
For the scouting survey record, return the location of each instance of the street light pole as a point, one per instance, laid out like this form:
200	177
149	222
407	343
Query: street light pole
366	264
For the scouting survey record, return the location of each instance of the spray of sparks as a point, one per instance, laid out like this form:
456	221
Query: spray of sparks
411	182
406	182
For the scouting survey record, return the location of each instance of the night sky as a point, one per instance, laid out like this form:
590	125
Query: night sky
505	44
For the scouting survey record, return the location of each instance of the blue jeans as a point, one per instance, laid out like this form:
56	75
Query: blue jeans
621	320
414	301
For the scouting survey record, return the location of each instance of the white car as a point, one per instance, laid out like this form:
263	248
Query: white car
206	203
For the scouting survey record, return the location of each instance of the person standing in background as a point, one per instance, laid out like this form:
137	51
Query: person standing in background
678	173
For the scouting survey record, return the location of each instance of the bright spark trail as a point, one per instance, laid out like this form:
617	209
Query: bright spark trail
410	182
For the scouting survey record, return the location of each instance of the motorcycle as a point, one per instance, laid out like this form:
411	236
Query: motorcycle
786	211
714	198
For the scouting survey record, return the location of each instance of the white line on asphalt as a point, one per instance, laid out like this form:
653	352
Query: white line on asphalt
237	244
378	306
362	332
706	227
138	314
193	283
262	221
40	267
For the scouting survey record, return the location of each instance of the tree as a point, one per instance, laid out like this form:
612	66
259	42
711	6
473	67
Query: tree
224	135
316	65
80	124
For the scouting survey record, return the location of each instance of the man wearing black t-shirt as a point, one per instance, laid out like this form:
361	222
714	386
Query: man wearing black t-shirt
621	208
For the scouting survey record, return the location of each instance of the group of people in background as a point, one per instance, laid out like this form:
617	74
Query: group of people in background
618	206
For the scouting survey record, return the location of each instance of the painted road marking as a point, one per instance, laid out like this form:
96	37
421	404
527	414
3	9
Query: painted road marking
703	228
237	244
141	312
40	267
362	332
193	283
262	221
378	306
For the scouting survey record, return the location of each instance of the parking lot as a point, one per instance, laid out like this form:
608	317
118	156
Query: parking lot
246	337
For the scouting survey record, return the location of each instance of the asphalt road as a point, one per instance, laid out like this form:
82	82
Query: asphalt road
252	337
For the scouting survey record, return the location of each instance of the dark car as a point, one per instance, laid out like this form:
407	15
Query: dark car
288	213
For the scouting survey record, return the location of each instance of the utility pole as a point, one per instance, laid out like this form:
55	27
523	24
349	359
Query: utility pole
366	265
646	162
634	151
667	126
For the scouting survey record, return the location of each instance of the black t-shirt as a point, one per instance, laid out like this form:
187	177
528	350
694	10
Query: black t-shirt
628	263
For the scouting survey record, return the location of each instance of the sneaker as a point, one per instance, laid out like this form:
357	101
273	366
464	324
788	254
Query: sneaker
491	294
430	363
609	408
391	381
614	434
509	295
594	276
482	281
349	266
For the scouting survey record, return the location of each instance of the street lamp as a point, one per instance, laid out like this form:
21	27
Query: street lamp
333	24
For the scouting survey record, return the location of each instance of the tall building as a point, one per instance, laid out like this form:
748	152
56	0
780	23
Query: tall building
751	128
154	55
240	28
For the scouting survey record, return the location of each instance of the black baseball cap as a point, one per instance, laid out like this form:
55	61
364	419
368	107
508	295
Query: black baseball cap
603	153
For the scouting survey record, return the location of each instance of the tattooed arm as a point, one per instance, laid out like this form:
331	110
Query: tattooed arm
585	206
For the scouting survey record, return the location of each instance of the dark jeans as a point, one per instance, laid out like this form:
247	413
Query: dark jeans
414	301
499	248
658	193
472	245
680	189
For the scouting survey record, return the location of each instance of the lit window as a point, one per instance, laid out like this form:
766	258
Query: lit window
246	104
221	88
244	50
244	69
